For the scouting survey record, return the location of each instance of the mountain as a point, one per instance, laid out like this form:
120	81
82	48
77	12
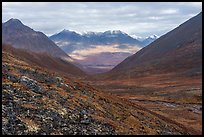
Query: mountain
71	41
113	37
180	50
93	38
66	35
15	33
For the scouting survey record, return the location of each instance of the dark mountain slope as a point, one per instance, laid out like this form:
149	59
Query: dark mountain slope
15	33
180	50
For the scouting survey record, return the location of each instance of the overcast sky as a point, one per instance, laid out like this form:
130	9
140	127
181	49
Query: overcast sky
135	18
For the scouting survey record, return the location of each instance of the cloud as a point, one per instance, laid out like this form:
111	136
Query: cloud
138	18
168	11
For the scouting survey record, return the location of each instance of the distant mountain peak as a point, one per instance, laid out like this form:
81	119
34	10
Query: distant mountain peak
89	33
137	37
15	33
153	36
68	32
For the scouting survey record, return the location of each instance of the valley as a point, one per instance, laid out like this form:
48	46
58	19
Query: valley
94	49
101	83
38	101
163	77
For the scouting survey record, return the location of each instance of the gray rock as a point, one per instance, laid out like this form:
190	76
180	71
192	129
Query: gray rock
13	78
31	84
85	121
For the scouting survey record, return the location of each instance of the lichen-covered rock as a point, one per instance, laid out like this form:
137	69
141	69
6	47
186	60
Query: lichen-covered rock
31	84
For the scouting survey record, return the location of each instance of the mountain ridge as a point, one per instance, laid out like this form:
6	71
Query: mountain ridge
100	36
15	33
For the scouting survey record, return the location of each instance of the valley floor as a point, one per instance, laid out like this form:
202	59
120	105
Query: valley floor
178	99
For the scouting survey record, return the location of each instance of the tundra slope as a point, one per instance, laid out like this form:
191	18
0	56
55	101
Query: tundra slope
36	100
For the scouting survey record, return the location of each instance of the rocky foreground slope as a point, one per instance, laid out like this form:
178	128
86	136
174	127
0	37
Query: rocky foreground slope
38	101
